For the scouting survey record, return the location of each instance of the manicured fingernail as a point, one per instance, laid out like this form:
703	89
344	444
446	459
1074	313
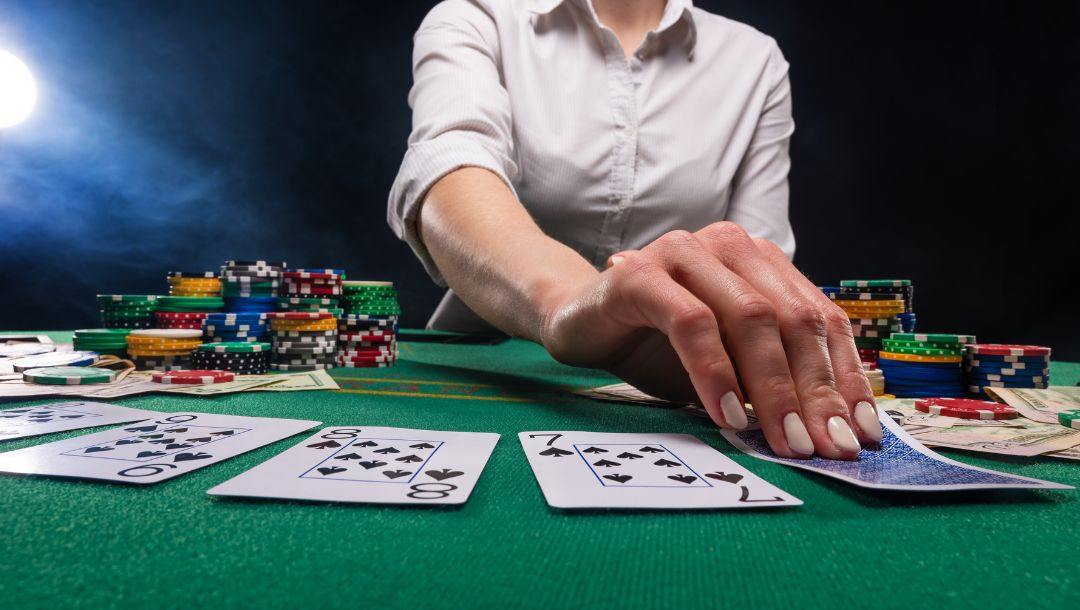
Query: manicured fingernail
841	434
615	260
734	413
867	420
797	436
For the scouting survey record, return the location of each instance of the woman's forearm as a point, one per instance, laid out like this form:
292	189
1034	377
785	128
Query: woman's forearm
492	254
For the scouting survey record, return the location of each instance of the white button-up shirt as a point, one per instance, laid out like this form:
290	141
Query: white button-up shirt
606	152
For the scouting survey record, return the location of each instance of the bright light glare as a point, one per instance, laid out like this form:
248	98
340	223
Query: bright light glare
17	90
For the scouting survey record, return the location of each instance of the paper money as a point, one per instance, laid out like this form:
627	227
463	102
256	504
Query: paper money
298	382
1030	439
1039	405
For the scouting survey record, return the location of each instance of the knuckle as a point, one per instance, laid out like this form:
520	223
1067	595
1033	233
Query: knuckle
717	369
837	320
690	318
676	239
852	378
808	318
820	393
778	385
754	308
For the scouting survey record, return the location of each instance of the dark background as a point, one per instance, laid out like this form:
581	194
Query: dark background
936	141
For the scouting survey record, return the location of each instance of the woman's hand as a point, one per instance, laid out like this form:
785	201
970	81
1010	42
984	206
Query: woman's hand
726	318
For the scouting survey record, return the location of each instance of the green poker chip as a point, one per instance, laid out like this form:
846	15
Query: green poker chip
1070	419
933	337
923	351
234	347
874	283
68	375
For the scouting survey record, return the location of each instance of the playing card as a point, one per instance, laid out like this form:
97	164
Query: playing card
900	462
606	470
153	450
45	419
371	465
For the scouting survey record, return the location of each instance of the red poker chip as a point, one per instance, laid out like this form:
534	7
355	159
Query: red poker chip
305	275
177	315
299	315
966	408
1005	349
196	377
366	338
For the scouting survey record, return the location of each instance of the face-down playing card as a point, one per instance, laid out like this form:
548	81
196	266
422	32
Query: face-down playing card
152	450
371	465
21	422
642	471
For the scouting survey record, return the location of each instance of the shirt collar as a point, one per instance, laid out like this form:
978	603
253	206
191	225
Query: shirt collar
674	11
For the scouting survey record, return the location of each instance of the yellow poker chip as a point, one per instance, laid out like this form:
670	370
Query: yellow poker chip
871	304
868	315
917	358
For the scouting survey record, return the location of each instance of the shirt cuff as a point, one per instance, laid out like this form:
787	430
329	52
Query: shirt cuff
425	164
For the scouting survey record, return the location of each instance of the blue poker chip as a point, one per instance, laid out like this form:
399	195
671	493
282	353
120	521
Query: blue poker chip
1023	382
81	358
907	322
885	363
831	290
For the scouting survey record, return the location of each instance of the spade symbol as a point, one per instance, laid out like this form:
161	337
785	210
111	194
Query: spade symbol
372	464
349	456
727	478
366	444
179	446
606	464
97	449
158	435
128	441
626	455
143	454
648	449
222	433
408	459
163	441
387	450
177	430
595	450
394	474
666	463
618	478
201	439
43	421
140	429
555	452
422	446
185	457
70	416
445	473
334	470
19	410
683	478
325	445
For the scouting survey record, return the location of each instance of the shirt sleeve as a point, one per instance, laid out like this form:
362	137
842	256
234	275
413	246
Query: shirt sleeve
759	201
461	113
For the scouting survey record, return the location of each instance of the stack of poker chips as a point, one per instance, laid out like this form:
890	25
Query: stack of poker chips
991	365
924	365
303	340
228	327
105	341
251	286
185	313
127	310
370	298
876	378
194	284
367	341
163	349
242	358
873	306
312	283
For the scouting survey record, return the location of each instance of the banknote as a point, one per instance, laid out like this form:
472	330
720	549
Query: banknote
1028	439
1039	405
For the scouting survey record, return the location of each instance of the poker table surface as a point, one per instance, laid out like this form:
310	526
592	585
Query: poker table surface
80	544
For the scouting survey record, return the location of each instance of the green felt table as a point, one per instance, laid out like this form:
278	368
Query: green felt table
74	544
